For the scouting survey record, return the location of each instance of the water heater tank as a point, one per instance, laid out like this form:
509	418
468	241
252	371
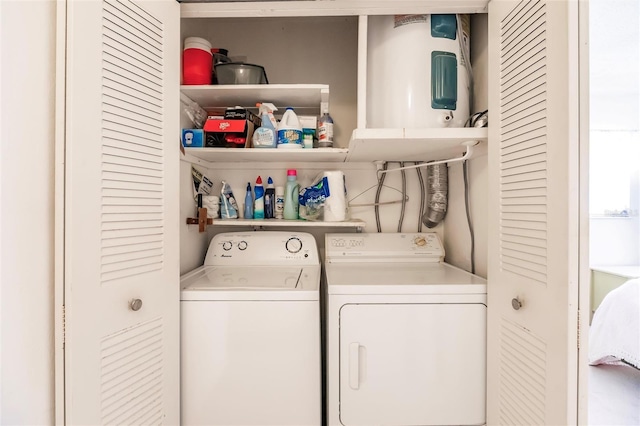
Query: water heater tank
417	74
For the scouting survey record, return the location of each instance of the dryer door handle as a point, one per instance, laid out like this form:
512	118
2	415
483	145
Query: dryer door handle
354	365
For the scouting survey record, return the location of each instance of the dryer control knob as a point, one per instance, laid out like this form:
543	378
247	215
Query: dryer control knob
242	245
226	245
420	241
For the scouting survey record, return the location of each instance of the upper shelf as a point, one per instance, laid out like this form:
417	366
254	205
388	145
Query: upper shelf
304	98
231	155
261	9
366	145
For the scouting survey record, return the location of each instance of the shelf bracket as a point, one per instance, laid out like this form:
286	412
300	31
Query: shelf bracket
202	221
466	156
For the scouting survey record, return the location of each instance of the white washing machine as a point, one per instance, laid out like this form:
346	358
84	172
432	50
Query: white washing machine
250	332
406	333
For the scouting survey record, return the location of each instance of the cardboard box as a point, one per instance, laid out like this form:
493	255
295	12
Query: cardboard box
192	138
232	131
309	125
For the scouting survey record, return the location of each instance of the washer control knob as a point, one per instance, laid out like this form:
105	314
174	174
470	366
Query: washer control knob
242	245
226	245
420	241
293	245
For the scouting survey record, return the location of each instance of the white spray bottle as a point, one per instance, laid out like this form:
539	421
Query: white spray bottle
266	135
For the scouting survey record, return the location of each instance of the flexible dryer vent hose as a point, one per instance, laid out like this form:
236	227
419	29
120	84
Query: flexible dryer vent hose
437	186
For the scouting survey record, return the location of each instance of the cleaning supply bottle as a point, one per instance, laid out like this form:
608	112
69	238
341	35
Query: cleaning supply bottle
325	128
291	192
248	203
279	208
289	130
258	203
266	135
269	200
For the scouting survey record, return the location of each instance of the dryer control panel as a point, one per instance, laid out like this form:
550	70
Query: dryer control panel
423	246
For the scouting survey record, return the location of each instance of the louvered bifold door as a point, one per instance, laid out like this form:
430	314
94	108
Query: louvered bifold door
533	213
121	218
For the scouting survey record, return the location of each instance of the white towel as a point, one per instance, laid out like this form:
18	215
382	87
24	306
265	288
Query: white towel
614	337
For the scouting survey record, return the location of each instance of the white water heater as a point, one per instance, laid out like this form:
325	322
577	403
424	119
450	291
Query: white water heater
418	73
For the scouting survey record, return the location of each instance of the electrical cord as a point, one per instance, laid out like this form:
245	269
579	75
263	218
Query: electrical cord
404	197
422	197
466	202
479	119
377	200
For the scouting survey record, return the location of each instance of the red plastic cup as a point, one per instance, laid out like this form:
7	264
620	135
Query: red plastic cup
196	61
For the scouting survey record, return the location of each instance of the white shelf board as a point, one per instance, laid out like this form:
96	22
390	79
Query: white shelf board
270	155
304	98
411	144
273	223
259	9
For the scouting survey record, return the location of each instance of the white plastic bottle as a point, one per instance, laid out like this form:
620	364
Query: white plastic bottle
289	130
279	207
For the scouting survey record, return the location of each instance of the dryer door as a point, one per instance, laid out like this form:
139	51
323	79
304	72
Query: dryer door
412	364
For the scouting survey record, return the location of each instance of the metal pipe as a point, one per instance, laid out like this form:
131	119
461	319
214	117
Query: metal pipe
437	184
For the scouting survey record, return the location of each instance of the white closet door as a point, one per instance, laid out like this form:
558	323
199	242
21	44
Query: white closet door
121	213
533	225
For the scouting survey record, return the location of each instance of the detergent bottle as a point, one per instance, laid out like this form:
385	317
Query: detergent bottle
266	135
269	200
291	193
258	202
289	130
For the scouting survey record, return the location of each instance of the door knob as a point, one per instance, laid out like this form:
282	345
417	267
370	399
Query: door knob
135	304
516	303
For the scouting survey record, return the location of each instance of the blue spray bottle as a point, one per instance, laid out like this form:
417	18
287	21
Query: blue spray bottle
266	135
258	204
248	203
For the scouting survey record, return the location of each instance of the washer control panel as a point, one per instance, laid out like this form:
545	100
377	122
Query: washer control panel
263	248
423	245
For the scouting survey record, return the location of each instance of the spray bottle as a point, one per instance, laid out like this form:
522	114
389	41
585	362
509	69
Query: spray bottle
266	135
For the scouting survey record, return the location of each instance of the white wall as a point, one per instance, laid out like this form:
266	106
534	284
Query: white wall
27	34
614	122
614	241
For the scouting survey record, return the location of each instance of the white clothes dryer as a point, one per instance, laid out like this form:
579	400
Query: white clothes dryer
406	333
250	332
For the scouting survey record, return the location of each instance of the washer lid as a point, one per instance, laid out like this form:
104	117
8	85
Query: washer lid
251	283
401	278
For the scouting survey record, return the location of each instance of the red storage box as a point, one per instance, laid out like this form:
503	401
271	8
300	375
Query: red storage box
230	133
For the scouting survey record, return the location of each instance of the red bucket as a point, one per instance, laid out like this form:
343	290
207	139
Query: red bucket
196	61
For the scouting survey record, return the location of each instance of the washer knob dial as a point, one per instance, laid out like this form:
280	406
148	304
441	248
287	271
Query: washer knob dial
242	245
226	246
293	245
420	241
